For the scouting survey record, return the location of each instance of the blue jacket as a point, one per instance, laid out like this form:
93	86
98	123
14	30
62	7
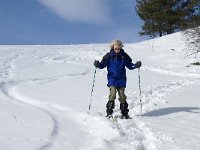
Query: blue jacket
115	64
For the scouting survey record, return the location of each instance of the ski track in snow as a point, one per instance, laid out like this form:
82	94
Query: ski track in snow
125	134
158	94
155	95
135	133
9	67
6	86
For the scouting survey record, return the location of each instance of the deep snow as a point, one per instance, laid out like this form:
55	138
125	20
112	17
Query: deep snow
45	94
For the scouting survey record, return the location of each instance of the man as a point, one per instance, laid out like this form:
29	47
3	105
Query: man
116	60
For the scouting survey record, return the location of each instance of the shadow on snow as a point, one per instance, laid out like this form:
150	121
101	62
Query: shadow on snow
171	110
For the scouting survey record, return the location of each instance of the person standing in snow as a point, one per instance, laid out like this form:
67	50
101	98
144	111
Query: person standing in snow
116	60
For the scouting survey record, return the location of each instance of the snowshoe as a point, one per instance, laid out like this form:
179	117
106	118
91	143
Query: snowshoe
112	118
125	117
109	116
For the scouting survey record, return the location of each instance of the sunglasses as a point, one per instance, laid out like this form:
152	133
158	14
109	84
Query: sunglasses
117	49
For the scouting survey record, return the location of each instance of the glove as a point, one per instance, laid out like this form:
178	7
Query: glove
96	63
138	64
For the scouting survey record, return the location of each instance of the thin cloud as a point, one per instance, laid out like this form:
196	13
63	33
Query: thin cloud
88	11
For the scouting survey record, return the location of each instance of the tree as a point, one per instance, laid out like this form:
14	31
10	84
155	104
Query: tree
190	13
163	17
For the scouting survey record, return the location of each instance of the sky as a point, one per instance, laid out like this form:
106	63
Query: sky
68	21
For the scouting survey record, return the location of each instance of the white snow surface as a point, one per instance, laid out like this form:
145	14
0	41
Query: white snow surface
45	92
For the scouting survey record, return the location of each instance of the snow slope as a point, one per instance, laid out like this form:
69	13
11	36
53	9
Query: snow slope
45	94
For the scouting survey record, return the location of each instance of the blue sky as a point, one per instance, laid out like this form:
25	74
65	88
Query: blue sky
68	21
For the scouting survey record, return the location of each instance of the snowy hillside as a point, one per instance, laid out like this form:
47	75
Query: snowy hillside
45	94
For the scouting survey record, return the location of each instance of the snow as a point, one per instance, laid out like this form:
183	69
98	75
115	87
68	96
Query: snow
45	93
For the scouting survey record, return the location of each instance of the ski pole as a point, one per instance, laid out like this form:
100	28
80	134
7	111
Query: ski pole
92	90
140	90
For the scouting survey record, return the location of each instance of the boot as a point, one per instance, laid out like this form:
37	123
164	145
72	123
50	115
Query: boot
124	110
110	106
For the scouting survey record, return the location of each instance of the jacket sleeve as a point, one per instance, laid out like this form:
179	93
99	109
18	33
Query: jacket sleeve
104	61
129	63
